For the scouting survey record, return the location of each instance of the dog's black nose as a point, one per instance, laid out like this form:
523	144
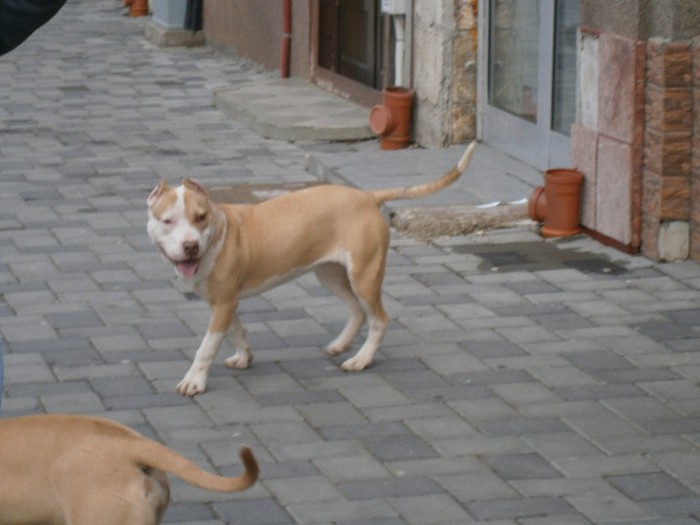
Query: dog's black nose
191	248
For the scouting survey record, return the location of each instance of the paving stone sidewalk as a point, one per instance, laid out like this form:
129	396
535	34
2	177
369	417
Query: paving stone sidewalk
521	381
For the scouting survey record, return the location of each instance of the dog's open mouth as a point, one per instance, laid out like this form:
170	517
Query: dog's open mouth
187	268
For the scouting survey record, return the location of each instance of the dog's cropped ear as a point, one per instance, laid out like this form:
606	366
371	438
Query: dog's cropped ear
195	186
157	191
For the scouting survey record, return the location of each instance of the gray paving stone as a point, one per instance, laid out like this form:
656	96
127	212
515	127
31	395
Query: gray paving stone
388	488
289	491
399	447
313	397
330	414
436	428
611	508
74	403
376	430
519	508
522	426
476	486
521	466
640	487
597	466
287	469
352	468
676	507
479	446
341	511
429	509
186	512
373	396
253	512
483	409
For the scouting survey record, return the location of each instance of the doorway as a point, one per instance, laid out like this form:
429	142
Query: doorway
348	30
527	71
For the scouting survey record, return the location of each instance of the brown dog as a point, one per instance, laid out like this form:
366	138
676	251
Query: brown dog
78	470
228	252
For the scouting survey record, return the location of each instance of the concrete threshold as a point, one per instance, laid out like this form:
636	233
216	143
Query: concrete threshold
294	110
163	36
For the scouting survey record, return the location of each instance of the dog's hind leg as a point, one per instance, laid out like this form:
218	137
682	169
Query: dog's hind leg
367	283
243	356
334	277
140	500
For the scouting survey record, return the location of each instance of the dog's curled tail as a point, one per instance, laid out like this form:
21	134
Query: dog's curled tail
168	460
423	190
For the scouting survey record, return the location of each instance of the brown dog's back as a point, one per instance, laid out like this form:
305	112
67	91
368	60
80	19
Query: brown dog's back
64	469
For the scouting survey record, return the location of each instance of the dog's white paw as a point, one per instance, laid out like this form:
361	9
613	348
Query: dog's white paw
239	360
334	348
192	384
355	364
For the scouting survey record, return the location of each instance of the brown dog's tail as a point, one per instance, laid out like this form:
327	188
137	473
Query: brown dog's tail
152	454
423	190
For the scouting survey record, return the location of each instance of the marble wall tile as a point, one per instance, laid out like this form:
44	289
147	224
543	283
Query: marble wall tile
584	144
621	88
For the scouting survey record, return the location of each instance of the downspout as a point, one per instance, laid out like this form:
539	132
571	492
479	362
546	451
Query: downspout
286	38
408	46
399	32
401	12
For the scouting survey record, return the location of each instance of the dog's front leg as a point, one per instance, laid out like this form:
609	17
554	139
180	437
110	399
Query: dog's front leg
195	380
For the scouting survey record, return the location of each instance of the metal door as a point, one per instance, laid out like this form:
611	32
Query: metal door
349	39
528	78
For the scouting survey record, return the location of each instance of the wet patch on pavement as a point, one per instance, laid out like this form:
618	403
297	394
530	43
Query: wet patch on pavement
539	255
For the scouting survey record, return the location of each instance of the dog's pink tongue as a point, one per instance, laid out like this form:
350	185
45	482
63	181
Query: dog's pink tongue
187	268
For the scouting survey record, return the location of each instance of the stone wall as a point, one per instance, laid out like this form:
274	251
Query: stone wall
637	138
666	207
462	117
444	71
695	155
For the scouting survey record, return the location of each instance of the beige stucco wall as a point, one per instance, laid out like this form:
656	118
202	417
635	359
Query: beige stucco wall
444	71
254	31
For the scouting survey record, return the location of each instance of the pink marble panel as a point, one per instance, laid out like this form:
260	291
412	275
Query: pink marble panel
584	144
615	165
621	77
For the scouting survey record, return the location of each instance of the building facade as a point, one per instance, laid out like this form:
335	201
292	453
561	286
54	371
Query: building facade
609	88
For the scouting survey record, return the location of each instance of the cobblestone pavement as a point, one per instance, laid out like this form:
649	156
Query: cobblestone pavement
521	381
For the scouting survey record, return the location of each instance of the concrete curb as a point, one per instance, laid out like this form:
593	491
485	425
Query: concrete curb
429	222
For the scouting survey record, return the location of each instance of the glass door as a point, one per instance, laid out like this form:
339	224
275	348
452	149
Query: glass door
529	69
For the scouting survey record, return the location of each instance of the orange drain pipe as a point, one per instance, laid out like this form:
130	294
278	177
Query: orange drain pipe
557	205
392	120
138	8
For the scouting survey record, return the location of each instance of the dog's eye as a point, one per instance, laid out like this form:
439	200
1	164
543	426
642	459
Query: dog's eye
200	217
167	221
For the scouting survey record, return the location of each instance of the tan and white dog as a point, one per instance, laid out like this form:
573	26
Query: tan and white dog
228	252
79	470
